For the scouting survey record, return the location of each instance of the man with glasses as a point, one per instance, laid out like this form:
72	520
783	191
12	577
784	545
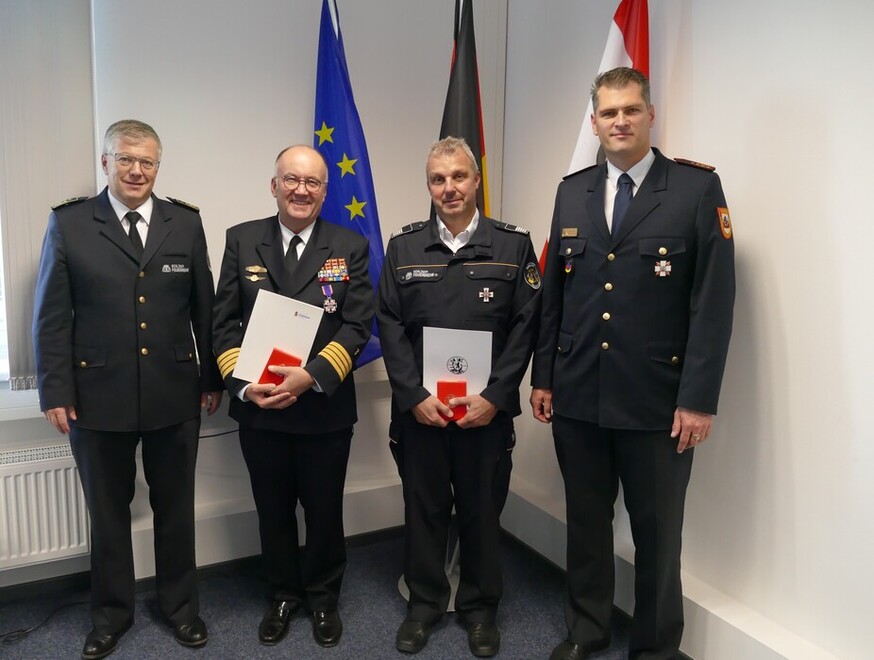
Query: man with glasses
122	325
295	435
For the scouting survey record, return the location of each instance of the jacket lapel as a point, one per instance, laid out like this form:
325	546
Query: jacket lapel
270	251
315	254
110	227
595	205
159	229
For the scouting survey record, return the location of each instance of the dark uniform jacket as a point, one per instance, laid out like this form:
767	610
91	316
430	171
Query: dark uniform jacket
636	325
254	260
113	334
424	284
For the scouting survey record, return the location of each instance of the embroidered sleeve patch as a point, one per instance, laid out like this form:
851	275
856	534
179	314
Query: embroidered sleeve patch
724	221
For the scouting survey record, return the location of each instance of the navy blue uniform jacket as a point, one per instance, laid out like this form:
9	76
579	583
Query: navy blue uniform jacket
119	337
257	246
424	284
638	324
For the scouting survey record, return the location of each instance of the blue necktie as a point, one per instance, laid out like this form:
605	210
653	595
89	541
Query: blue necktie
622	201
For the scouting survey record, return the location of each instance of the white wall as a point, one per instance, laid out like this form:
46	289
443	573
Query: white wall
775	95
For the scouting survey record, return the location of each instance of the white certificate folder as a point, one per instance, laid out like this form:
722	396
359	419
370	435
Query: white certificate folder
452	355
276	322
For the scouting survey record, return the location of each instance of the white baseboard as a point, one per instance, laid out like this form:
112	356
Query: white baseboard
717	627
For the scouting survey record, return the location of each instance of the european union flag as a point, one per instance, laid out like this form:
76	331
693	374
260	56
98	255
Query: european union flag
351	201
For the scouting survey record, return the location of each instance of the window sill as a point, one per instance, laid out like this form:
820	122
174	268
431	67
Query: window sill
18	405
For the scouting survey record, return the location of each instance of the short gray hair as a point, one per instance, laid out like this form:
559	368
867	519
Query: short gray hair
132	129
448	146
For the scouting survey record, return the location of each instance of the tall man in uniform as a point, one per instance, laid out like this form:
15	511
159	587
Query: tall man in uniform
465	271
296	436
122	337
637	312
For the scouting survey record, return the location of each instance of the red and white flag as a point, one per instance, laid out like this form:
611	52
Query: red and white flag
627	45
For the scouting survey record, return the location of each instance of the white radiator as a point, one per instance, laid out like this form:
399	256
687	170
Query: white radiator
43	515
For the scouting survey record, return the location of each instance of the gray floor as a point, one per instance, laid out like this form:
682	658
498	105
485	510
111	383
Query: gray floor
530	618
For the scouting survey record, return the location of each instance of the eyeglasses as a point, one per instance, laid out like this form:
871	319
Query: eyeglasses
291	182
146	164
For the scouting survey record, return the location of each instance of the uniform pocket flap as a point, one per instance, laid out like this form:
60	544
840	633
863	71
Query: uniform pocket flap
667	352
491	271
184	352
565	342
88	358
661	247
571	247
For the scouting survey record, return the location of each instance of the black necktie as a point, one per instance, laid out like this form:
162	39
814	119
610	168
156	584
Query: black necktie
622	201
291	255
133	218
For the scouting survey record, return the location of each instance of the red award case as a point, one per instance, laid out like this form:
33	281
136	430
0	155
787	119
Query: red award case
448	389
278	358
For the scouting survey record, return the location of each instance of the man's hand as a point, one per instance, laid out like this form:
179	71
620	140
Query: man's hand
61	417
541	405
296	380
265	396
211	401
480	411
428	412
691	427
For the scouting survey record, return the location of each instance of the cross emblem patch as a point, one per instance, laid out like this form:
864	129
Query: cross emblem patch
486	295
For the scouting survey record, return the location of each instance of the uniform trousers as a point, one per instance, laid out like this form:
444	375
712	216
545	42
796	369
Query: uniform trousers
107	466
287	468
593	460
470	468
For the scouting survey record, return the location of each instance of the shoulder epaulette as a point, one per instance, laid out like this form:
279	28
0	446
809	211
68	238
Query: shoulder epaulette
695	163
508	227
180	202
413	226
585	169
67	202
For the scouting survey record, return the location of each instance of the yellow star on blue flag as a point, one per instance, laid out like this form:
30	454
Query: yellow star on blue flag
339	137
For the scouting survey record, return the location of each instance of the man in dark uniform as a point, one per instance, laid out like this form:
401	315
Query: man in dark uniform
636	322
295	436
464	271
123	279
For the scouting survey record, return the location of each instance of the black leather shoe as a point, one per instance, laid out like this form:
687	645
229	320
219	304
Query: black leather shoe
274	625
412	636
99	646
327	628
192	634
567	650
484	639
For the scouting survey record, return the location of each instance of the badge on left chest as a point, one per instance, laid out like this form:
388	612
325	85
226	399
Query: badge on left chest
333	270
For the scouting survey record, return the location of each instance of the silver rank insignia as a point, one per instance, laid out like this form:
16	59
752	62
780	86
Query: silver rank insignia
663	268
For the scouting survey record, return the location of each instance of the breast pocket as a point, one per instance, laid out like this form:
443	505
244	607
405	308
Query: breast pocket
418	290
665	257
490	287
572	250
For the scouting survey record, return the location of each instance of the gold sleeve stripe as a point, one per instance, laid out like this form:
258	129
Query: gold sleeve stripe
338	357
228	360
